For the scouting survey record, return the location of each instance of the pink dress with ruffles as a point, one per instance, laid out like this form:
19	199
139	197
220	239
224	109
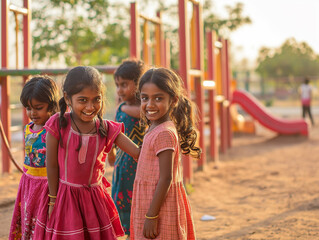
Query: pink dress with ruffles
175	219
32	183
83	207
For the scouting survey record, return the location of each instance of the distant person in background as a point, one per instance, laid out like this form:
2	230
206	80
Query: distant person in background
305	92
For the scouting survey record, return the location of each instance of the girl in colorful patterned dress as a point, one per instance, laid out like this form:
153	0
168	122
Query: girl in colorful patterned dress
126	79
39	97
160	208
78	206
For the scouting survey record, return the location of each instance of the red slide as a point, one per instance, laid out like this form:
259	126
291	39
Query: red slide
283	126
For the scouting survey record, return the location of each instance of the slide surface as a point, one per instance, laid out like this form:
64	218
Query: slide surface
283	126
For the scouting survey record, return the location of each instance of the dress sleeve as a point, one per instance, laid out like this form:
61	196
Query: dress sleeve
113	130
165	140
52	125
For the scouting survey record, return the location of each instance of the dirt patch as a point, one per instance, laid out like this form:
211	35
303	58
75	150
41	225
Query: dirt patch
266	187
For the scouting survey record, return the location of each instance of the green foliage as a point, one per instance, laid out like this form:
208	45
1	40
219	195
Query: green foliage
96	32
233	22
79	32
290	59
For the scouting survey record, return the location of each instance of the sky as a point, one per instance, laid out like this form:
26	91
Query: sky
273	21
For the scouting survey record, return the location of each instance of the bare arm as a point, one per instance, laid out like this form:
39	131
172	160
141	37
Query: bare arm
52	167
111	157
127	145
166	174
132	110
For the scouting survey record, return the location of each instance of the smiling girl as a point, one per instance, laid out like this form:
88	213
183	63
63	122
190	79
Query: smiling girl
160	208
78	205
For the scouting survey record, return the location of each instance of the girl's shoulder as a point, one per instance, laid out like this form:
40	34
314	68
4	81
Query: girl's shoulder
119	107
167	128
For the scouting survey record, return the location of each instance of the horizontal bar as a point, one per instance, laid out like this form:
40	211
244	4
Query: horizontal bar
153	20
218	44
209	84
195	72
19	10
219	98
16	128
58	71
16	106
15	150
196	2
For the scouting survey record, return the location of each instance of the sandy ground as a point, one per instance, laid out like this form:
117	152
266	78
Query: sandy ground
266	187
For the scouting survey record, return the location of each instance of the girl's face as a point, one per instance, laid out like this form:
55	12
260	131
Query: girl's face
38	112
85	104
155	103
126	89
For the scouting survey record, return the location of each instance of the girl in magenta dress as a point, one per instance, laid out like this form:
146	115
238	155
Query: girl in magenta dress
78	205
160	208
39	97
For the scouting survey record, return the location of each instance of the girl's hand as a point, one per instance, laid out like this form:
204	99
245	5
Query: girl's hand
150	229
50	211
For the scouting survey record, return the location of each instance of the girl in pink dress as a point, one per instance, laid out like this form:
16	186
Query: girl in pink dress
39	96
160	208
78	205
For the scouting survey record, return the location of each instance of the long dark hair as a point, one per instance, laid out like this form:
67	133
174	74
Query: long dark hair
76	80
181	113
43	89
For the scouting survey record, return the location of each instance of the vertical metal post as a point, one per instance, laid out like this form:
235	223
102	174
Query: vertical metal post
200	94
223	107
184	63
146	40
167	53
228	94
159	40
26	47
211	68
5	86
135	33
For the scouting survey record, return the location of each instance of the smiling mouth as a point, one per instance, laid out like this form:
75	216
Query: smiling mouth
151	112
88	114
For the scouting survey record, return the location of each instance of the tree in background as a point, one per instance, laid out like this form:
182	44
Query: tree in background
95	32
79	32
290	59
222	26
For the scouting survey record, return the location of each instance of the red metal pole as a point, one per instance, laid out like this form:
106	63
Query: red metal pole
135	33
5	86
184	63
184	55
26	47
212	94
200	95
